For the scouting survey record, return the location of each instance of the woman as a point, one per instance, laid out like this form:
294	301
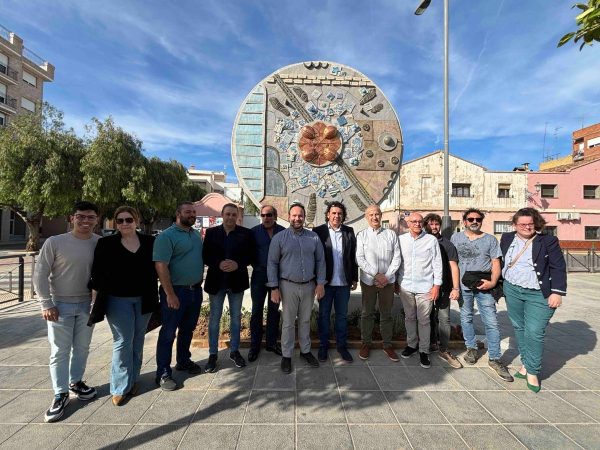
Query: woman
124	277
535	279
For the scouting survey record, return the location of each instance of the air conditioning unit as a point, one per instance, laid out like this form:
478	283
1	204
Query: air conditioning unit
574	216
563	216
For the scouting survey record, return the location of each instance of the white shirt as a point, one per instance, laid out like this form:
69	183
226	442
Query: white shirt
338	278
421	266
377	251
522	273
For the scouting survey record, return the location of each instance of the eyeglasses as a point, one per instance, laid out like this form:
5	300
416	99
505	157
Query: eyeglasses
474	219
122	220
525	225
85	217
267	215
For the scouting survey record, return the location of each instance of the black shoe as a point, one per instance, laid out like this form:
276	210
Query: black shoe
237	359
82	390
190	367
310	359
57	408
408	352
345	355
211	365
286	365
253	355
471	356
166	383
322	354
425	364
276	349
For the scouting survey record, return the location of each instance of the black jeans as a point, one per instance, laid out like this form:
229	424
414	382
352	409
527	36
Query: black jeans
258	292
440	321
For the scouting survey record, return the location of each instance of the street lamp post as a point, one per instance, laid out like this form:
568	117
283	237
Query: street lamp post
446	219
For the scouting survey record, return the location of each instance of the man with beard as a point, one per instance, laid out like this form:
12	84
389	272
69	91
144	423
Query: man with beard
178	259
296	275
479	256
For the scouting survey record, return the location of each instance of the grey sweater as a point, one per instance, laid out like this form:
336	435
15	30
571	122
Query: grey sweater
63	269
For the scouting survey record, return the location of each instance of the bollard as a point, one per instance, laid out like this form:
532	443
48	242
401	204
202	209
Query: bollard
21	278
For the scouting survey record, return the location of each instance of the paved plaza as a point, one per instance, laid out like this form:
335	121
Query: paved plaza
377	404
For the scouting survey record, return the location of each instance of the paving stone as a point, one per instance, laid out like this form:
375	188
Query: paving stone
25	407
211	436
584	377
460	407
100	356
173	407
128	413
7	431
222	407
22	377
187	381
77	411
96	436
320	378
378	436
553	408
234	378
7	396
473	378
30	357
588	402
336	360
434	379
266	437
506	408
154	437
319	407
588	436
39	436
542	436
433	437
355	378
396	378
272	378
321	437
271	407
414	407
555	381
484	437
367	407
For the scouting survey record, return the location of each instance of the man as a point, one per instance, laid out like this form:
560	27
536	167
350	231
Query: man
341	273
378	256
440	314
178	260
419	281
227	251
61	281
296	275
479	252
263	234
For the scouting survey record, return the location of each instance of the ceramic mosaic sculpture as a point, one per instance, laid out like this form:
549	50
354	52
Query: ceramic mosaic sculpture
316	132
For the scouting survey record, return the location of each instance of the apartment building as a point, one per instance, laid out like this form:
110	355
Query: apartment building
22	78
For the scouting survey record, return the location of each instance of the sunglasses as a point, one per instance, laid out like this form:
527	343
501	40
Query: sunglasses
474	219
267	215
122	220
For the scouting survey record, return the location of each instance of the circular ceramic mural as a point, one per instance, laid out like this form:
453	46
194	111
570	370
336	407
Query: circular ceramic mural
317	132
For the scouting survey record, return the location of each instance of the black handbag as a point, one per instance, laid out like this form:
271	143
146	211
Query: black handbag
472	280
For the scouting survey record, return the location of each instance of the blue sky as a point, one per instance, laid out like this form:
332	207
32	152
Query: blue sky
174	72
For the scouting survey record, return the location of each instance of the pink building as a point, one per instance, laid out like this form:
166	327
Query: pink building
569	199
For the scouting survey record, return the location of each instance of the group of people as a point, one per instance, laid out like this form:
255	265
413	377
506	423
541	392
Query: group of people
81	279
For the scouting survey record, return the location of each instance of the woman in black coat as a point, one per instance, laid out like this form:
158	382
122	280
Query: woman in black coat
125	280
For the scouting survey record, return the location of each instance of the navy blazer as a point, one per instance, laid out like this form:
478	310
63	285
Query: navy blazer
548	261
213	252
349	255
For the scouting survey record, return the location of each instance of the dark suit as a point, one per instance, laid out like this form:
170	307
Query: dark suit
336	296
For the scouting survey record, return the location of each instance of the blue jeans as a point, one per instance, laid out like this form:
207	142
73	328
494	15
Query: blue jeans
487	310
258	292
338	297
128	326
182	321
214	321
69	339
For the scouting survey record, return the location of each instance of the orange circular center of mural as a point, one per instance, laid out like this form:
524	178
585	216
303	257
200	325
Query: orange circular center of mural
319	143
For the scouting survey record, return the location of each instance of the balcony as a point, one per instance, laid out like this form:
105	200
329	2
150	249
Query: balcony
8	75
36	63
8	104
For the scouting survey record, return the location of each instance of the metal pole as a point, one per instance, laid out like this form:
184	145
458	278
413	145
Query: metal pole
21	278
446	219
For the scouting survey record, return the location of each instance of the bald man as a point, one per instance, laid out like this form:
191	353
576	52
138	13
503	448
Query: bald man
418	283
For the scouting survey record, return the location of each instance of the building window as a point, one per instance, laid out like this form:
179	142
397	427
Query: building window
3	63
461	190
3	93
503	190
549	191
592	233
27	104
2	119
591	191
385	224
29	79
551	230
504	226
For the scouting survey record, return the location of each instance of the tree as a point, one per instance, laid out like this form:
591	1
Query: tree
39	168
588	23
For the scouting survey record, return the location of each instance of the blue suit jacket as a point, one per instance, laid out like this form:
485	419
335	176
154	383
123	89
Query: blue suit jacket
548	261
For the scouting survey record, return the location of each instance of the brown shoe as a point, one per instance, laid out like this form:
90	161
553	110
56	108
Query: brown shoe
389	351
118	400
364	352
450	359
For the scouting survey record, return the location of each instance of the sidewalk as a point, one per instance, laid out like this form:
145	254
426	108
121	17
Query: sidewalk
374	404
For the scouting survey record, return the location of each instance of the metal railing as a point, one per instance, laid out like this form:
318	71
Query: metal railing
11	73
4	33
12	279
9	101
34	57
582	260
